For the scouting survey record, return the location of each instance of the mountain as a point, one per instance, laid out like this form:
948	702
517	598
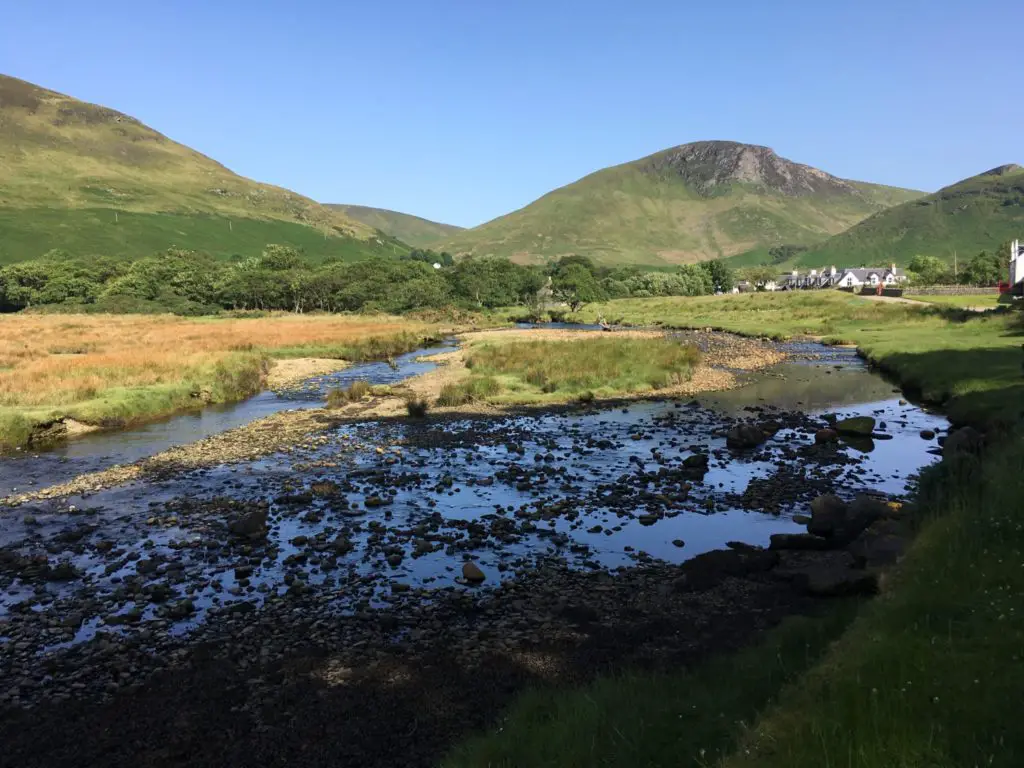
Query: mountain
410	229
92	180
976	214
686	204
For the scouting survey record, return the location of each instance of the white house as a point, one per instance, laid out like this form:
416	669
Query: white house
871	276
1016	263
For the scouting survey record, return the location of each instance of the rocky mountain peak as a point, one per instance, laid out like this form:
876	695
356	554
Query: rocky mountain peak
711	167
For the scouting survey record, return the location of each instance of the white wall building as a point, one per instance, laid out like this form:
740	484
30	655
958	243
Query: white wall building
1016	262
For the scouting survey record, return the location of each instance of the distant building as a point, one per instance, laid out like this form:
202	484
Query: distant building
1016	263
871	276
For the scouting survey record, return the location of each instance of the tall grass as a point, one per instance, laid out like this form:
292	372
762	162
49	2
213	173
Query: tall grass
620	364
355	392
117	369
473	389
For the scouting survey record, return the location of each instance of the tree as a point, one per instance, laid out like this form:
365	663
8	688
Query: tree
983	269
759	276
929	270
720	273
576	286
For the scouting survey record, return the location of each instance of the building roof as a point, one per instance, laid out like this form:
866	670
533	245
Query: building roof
863	273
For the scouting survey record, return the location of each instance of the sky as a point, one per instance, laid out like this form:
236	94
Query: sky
463	110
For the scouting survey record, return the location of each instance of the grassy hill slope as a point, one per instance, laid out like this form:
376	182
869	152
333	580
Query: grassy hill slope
59	156
410	229
972	215
686	204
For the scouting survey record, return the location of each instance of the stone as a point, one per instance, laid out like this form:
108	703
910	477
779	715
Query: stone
394	560
927	434
828	513
801	519
966	440
858	426
472	574
252	525
744	436
696	461
798	541
838	581
182	609
678	543
710	568
825	436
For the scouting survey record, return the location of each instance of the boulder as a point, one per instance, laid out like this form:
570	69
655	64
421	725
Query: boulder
798	541
472	574
825	436
710	568
253	524
696	461
745	436
927	434
838	581
862	426
828	514
964	440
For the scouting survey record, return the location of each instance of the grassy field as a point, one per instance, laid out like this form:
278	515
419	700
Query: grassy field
413	230
986	300
968	362
927	674
536	371
120	369
657	210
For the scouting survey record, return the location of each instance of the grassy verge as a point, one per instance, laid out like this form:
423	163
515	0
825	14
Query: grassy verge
988	300
969	363
677	719
930	674
118	370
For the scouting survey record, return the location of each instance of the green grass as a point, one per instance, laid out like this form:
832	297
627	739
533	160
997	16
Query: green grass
930	674
973	215
986	300
533	369
676	719
968	362
472	389
651	212
409	229
363	350
28	233
355	392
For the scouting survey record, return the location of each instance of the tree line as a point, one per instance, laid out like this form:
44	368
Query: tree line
282	278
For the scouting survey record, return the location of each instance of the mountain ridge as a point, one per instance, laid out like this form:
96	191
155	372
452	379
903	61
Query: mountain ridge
684	204
409	228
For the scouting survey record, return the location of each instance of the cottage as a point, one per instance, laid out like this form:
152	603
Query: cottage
871	276
1016	263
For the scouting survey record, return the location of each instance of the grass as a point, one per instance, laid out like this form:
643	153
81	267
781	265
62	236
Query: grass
355	392
472	389
123	369
684	718
986	300
598	365
90	180
969	363
409	229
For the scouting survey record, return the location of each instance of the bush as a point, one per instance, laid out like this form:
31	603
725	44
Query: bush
417	407
476	388
355	392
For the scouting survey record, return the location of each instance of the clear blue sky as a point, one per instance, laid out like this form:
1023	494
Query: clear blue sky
463	110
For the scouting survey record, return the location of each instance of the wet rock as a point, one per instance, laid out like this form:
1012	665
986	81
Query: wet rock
472	574
927	434
181	610
828	513
696	461
966	440
825	436
856	426
798	541
678	543
63	571
710	568
253	524
395	560
838	581
744	437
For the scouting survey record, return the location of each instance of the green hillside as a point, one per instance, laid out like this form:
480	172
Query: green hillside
66	166
410	229
687	204
973	215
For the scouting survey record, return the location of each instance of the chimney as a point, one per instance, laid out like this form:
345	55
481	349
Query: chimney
796	273
892	268
832	270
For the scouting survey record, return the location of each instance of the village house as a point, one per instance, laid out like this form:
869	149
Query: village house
871	276
1016	265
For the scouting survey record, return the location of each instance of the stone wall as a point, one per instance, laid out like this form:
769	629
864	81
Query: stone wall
951	290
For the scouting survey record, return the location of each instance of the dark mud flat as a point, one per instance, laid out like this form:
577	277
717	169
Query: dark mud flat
313	607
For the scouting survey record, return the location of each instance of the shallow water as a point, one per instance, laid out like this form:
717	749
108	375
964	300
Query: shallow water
501	491
100	450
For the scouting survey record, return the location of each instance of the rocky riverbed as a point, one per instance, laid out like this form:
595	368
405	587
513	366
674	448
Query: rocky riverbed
379	588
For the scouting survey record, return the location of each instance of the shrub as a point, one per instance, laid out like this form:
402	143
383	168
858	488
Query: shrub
475	388
417	407
355	392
